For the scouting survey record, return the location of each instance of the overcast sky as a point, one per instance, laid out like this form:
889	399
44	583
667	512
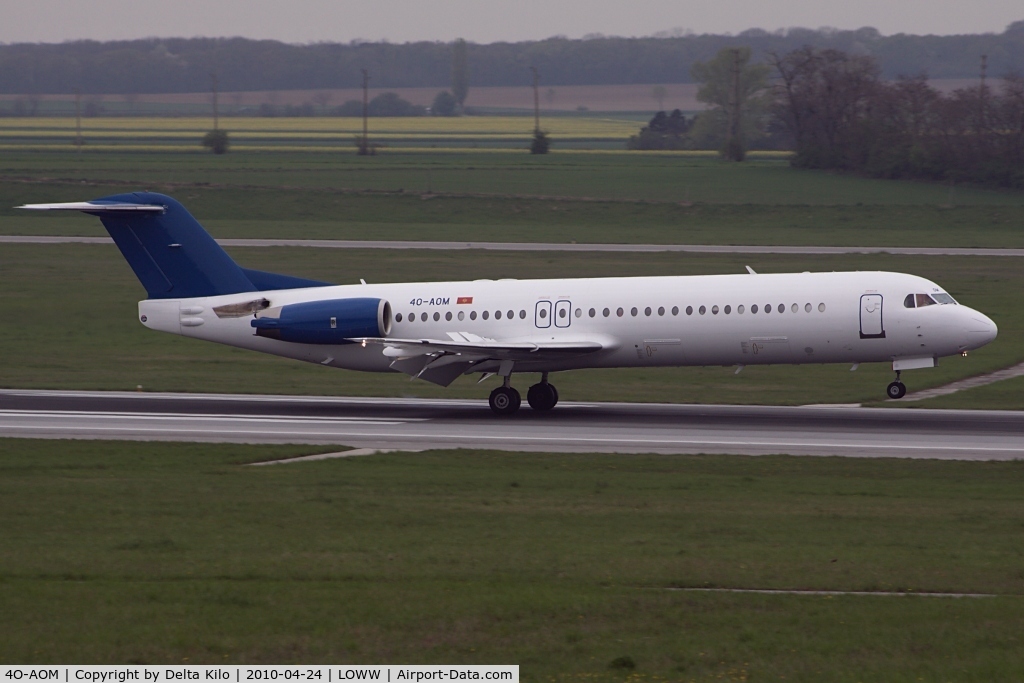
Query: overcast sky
482	21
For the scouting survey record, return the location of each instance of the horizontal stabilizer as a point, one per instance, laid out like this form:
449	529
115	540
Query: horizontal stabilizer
95	207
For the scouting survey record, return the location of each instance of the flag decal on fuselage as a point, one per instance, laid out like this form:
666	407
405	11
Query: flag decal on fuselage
464	300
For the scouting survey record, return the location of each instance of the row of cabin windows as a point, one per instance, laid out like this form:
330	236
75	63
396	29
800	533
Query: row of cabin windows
510	314
619	312
727	309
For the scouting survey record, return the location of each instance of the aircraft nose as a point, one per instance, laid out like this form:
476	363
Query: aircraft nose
981	329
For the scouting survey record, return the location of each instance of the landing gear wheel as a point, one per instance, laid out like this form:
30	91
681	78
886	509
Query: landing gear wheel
542	397
896	390
505	401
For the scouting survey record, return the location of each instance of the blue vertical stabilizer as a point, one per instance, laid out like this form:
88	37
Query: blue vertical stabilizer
172	255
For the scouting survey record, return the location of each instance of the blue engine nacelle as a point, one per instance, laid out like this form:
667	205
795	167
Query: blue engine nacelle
333	321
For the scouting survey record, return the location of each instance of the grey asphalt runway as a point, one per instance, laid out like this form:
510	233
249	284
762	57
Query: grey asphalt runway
571	427
550	246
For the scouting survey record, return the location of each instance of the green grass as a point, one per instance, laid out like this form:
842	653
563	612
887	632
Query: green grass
1007	394
602	176
73	310
120	552
603	198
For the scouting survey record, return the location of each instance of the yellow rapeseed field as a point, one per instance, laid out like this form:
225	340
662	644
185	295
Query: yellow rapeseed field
466	127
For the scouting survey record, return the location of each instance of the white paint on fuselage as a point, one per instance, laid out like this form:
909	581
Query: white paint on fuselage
819	322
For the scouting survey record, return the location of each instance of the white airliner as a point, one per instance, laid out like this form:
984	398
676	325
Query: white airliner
437	331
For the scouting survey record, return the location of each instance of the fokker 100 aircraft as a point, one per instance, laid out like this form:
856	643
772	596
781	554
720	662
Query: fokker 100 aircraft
437	331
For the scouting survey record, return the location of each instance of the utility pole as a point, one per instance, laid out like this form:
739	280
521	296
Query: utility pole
214	86
982	92
536	101
733	142
78	120
364	148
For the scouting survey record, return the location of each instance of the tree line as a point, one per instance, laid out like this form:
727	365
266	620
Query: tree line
834	110
838	113
184	65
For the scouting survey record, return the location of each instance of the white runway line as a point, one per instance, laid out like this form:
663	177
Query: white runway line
886	594
355	452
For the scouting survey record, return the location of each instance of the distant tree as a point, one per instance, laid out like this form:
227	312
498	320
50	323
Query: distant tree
385	104
820	97
664	131
460	72
131	99
444	104
217	141
659	93
323	98
541	143
731	84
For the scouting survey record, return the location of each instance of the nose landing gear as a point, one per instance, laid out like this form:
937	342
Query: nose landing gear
896	389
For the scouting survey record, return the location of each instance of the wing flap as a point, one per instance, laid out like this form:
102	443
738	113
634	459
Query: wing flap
441	361
482	349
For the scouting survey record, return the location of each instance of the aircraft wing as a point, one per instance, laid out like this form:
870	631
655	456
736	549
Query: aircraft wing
442	360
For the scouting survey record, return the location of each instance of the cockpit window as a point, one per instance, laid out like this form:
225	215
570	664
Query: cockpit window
943	298
909	301
924	300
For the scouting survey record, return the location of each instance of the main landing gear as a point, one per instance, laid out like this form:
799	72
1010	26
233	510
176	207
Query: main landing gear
542	397
896	389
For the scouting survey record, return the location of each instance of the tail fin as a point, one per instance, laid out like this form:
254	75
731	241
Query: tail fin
170	252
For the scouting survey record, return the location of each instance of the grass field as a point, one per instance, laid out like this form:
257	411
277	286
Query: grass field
164	553
1007	394
516	197
75	307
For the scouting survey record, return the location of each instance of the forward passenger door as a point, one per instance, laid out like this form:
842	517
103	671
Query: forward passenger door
871	326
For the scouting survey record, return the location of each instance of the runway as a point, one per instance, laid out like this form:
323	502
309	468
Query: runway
551	246
398	424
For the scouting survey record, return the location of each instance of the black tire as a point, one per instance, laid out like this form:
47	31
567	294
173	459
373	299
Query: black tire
896	390
542	397
505	401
